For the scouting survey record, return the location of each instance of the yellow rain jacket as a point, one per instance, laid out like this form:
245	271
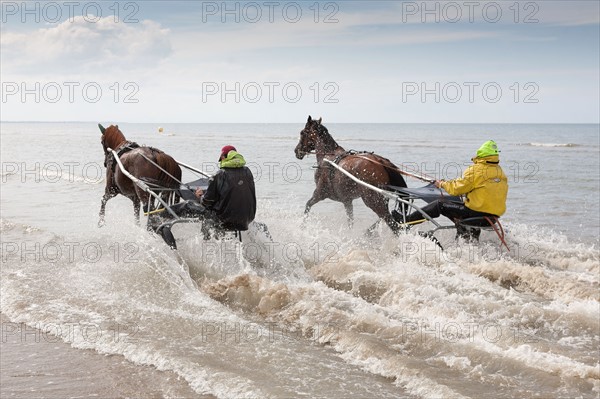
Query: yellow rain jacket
484	184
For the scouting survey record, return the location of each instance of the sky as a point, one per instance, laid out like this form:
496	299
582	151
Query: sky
279	61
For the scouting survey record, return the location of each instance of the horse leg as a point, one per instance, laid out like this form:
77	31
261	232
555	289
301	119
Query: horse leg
136	210
380	206
108	194
144	198
391	222
349	212
316	197
372	228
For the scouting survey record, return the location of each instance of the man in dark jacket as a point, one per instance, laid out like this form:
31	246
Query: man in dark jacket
229	203
230	198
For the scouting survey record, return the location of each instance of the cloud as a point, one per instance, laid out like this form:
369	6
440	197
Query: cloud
346	37
369	53
80	46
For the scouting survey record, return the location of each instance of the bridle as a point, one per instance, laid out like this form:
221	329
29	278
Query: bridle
105	151
304	136
311	134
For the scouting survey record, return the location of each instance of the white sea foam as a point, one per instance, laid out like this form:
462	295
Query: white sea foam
552	144
321	310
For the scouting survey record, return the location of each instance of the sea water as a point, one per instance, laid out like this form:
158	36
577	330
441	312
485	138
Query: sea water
322	310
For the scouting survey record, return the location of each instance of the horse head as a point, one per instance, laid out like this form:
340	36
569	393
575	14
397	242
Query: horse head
111	138
308	137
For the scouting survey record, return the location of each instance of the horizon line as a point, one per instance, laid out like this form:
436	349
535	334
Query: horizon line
356	123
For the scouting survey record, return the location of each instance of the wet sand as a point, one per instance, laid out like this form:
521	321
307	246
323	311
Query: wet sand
31	367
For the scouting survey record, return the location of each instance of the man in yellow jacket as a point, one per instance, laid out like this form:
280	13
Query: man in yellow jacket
483	185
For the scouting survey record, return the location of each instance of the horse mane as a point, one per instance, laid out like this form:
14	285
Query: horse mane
396	178
113	137
326	137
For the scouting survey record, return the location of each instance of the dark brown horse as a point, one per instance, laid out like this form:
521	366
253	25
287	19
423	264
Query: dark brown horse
138	162
333	184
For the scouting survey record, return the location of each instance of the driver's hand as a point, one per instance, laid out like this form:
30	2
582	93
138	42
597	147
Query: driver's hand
438	183
198	193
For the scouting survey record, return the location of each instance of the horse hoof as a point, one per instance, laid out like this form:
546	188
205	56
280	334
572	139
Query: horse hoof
303	221
101	223
371	233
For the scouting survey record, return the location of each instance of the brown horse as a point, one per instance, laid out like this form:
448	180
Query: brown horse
138	162
333	184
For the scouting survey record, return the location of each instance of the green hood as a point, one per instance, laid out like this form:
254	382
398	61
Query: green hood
234	160
487	149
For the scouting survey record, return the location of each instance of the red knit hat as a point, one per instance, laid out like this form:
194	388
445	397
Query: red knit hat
225	150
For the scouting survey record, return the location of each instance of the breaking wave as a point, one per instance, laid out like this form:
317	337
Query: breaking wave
551	144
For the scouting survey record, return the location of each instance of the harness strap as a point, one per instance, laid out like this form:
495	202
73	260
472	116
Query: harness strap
130	145
350	152
343	155
125	147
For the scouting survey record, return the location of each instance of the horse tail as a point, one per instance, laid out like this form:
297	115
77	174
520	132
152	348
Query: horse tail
396	179
171	166
394	173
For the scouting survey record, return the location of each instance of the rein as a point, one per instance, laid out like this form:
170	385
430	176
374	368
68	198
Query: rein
421	177
130	145
163	170
424	178
157	165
